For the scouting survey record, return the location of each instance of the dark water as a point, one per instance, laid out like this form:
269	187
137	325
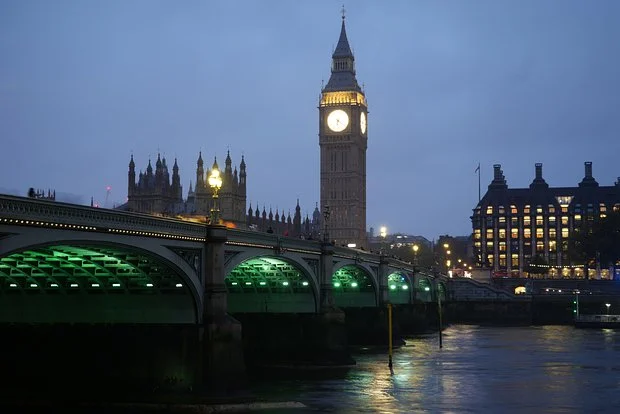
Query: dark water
551	369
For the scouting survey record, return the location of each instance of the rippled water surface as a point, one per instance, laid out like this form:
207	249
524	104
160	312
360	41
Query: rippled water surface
551	369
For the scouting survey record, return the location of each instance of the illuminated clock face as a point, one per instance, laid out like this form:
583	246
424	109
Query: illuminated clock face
363	122
337	120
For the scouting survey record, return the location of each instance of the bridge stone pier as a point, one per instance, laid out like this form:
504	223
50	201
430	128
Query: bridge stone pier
125	298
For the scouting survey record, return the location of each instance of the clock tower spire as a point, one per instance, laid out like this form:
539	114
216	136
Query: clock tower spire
343	142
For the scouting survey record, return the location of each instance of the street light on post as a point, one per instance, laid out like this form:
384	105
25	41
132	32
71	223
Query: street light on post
383	234
215	182
608	306
446	246
415	256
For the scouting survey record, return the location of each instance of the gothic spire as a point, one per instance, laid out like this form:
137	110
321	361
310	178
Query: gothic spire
342	48
343	66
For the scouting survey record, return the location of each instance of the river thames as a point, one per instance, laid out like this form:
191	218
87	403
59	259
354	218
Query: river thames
550	369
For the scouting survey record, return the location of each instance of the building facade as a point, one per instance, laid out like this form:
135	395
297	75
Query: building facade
343	140
512	226
156	192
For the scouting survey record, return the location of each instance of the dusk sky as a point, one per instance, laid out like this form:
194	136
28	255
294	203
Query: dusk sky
450	84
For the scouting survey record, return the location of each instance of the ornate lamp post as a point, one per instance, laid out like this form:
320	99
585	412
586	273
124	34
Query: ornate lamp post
215	182
415	256
325	224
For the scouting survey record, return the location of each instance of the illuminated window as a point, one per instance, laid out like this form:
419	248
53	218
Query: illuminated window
502	260
551	208
539	220
501	210
565	220
502	234
603	208
564	232
490	245
540	233
552	220
552	246
527	221
514	260
527	233
552	234
577	218
477	234
490	210
514	233
513	209
490	234
538	209
477	244
564	248
616	207
502	220
603	215
540	246
564	209
490	259
502	246
526	209
514	221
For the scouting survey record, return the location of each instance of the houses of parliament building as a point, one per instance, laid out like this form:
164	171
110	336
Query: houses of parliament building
156	192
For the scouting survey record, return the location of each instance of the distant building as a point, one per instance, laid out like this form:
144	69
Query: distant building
40	194
512	226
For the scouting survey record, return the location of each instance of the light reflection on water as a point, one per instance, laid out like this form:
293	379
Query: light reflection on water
555	369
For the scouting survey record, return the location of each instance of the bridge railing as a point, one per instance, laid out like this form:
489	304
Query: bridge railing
53	213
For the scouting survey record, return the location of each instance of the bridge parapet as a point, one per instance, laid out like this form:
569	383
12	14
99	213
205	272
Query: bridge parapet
25	211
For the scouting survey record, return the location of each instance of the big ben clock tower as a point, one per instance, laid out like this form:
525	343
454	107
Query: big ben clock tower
343	140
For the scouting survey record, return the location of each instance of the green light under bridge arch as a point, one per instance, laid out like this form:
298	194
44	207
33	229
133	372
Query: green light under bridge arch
269	284
353	287
399	288
424	290
48	284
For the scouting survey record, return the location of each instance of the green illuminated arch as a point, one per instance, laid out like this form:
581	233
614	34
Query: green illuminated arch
269	284
424	290
399	288
48	284
353	287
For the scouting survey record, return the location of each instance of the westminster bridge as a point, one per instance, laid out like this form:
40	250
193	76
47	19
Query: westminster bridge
76	266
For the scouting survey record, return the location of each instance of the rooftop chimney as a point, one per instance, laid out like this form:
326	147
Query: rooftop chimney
499	181
588	180
539	181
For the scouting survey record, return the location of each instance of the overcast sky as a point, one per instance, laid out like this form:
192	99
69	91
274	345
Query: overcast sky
84	84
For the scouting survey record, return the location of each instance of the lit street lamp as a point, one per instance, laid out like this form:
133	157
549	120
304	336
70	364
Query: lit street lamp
383	234
215	182
415	254
608	306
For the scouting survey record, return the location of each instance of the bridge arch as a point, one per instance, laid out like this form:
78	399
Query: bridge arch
399	287
270	283
354	286
75	281
423	288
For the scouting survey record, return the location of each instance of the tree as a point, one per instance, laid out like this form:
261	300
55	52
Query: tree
600	242
538	265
